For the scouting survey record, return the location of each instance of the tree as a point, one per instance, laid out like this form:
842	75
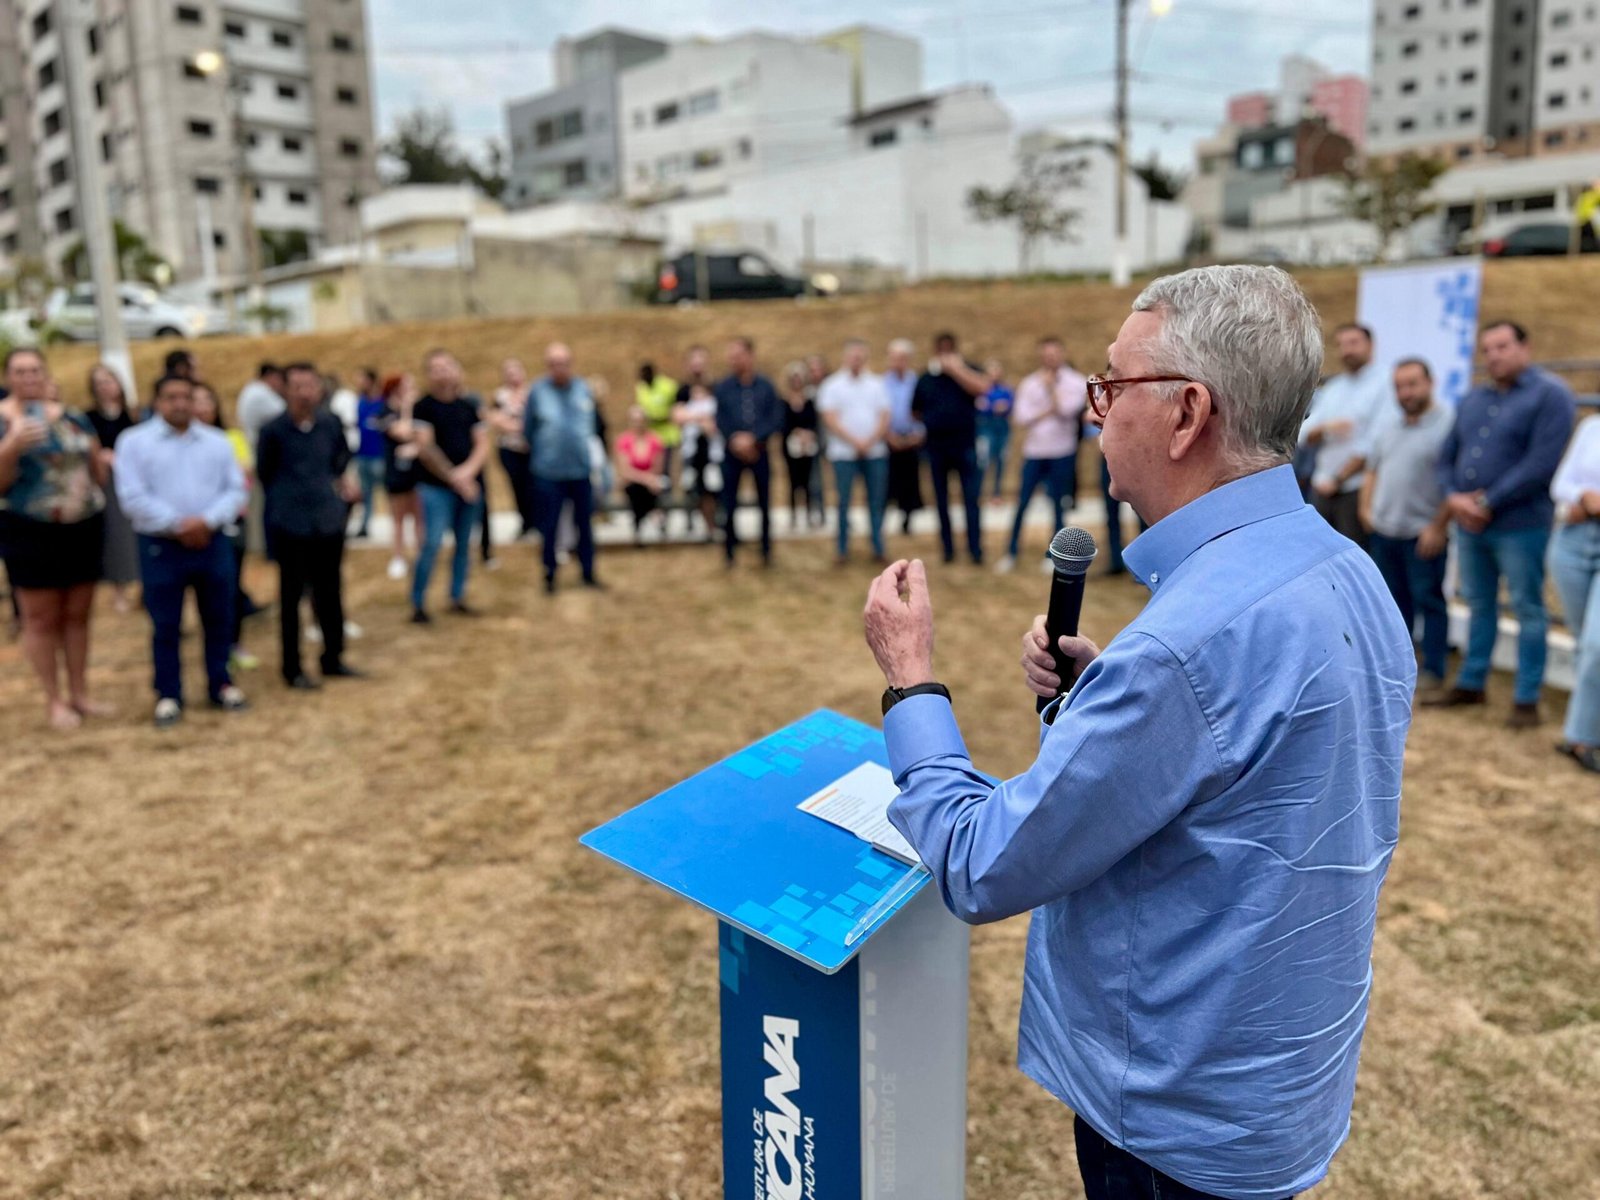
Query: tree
137	260
1031	202
281	246
424	145
1392	196
1163	183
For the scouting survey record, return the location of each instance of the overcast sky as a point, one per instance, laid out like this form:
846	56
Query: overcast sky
1051	63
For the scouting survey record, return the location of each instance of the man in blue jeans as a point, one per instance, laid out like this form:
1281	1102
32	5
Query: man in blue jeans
855	407
1398	506
1495	470
558	425
945	401
450	497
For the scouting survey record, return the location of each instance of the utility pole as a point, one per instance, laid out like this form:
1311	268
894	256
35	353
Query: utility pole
98	238
1120	270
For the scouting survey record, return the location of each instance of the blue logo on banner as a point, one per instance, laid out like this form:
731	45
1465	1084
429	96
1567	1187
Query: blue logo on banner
791	1075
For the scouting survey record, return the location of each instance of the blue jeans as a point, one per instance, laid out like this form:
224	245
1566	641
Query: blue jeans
167	570
1417	585
1111	1173
443	509
994	435
1518	554
1575	564
944	458
874	472
553	495
370	472
1058	476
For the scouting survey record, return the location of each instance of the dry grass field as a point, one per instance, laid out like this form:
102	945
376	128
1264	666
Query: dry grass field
347	945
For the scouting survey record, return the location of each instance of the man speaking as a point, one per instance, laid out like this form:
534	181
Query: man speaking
1215	802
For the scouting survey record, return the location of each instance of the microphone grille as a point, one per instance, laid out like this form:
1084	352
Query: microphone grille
1072	550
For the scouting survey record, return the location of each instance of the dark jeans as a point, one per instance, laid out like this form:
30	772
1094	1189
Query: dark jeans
963	461
555	494
905	481
1057	475
485	544
370	471
1343	512
314	563
167	570
236	544
443	510
515	463
1111	1173
733	469
1417	585
641	501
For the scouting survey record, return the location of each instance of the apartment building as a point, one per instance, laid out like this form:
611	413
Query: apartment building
195	101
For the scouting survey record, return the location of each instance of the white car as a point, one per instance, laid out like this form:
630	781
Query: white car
145	314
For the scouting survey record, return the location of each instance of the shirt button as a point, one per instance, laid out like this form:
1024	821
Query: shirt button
1477	452
1155	577
1471	474
1484	432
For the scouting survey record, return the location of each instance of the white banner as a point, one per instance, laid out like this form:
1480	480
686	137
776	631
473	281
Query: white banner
1428	312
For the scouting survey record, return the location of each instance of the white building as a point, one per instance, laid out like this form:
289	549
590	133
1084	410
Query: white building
709	112
1567	77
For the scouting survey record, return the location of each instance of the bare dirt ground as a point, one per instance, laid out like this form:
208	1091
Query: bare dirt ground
347	945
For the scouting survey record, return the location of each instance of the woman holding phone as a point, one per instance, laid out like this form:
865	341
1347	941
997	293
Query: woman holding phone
52	531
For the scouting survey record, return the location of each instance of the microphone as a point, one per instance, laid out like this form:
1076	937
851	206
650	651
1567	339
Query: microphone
1071	552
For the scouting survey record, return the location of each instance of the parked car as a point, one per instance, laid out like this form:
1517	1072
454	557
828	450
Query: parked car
1524	234
145	314
730	275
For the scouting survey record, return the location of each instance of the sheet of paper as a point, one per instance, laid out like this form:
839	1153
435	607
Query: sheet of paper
859	802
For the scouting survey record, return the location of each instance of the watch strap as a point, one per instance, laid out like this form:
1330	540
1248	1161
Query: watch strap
893	695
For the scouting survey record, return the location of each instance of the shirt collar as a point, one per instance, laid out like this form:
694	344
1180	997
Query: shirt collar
1160	550
172	431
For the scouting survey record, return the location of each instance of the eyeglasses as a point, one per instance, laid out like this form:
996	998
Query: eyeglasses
1103	389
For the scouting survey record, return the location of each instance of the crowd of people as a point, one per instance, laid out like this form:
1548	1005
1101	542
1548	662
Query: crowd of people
175	502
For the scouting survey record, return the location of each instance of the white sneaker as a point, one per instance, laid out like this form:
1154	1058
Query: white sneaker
1006	565
353	632
397	568
168	713
491	564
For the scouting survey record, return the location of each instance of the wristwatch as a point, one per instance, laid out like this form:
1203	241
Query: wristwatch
893	695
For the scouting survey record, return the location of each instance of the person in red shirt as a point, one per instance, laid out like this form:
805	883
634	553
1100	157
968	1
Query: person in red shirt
641	466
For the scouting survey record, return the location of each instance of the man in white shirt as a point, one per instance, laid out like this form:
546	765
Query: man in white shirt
854	406
261	400
1339	426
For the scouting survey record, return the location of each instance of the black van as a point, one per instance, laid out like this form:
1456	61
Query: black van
730	275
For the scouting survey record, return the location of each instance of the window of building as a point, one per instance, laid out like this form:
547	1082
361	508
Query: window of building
65	221
1406	124
296	196
1539	203
1516	55
1252	155
574	173
219	240
342	43
666	113
41	24
1469	37
47	74
1555	138
201	129
99	93
1514	93
105	147
1470	75
1283	150
190	71
884	137
1412	12
288	91
707	101
52	123
257	193
1465	116
746	148
94	39
1561	19
1410	49
1558	59
282	38
5	154
58	172
291	145
207	185
1463	152
706	160
1513	130
187	14
235	29
572	124
345	95
252	139
1556	100
544	132
1408	86
1518	16
350	147
5	200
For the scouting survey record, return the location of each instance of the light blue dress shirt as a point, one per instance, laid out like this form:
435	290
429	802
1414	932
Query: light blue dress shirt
900	389
1203	837
1361	397
164	477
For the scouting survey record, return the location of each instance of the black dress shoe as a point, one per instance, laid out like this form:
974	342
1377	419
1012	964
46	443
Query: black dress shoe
342	671
549	585
303	683
460	608
420	617
594	583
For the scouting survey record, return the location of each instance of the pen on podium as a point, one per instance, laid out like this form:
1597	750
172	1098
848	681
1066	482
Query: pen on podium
885	903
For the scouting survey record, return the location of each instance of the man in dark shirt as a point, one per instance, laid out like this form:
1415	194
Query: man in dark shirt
449	501
1495	471
749	415
944	401
301	463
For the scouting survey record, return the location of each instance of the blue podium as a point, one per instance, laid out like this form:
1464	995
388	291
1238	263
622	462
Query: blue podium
843	982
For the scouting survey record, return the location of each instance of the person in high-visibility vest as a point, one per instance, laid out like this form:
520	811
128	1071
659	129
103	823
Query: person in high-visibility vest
1587	211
